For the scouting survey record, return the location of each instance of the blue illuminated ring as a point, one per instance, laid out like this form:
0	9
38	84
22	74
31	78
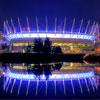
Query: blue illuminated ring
50	35
25	76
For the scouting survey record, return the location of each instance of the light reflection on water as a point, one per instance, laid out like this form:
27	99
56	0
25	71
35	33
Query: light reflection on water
55	87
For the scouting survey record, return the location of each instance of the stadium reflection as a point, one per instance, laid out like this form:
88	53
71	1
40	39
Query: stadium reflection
58	79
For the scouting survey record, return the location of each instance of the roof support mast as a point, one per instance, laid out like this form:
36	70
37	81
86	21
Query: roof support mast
37	26
19	24
13	25
86	30
92	28
6	30
28	26
9	28
64	28
80	26
46	20
72	27
55	24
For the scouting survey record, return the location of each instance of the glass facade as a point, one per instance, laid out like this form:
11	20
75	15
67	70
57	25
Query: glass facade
66	47
72	47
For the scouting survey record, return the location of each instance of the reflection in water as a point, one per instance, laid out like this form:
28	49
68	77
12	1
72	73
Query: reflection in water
53	79
46	69
37	69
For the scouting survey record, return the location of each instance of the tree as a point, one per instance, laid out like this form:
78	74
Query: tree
4	46
43	69
56	49
28	49
47	46
38	45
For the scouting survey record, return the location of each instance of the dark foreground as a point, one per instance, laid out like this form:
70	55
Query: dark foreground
39	57
42	58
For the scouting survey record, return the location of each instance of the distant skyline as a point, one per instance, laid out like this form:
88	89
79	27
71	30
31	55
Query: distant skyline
86	9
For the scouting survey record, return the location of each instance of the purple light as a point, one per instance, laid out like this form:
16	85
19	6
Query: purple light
52	77
50	35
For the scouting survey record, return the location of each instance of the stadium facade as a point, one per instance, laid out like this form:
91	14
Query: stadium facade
80	41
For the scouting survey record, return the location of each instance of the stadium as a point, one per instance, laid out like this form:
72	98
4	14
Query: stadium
80	40
55	78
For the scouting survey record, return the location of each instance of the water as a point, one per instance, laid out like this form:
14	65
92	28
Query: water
50	80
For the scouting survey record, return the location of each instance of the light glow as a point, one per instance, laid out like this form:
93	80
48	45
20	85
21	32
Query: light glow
25	76
50	35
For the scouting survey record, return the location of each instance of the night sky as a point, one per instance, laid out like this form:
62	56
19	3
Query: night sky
86	9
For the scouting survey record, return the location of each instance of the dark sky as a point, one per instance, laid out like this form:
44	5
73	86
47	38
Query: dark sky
86	9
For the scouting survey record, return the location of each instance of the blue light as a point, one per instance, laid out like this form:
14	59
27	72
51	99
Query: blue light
50	35
25	76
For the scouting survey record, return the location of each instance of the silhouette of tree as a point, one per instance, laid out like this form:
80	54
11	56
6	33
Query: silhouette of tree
38	45
46	69
4	46
47	46
28	49
43	46
56	49
58	66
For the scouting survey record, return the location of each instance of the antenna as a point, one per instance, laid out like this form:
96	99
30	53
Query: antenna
19	24
28	27
64	25
73	25
80	26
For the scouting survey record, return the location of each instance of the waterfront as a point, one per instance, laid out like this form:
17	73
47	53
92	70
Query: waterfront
53	80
